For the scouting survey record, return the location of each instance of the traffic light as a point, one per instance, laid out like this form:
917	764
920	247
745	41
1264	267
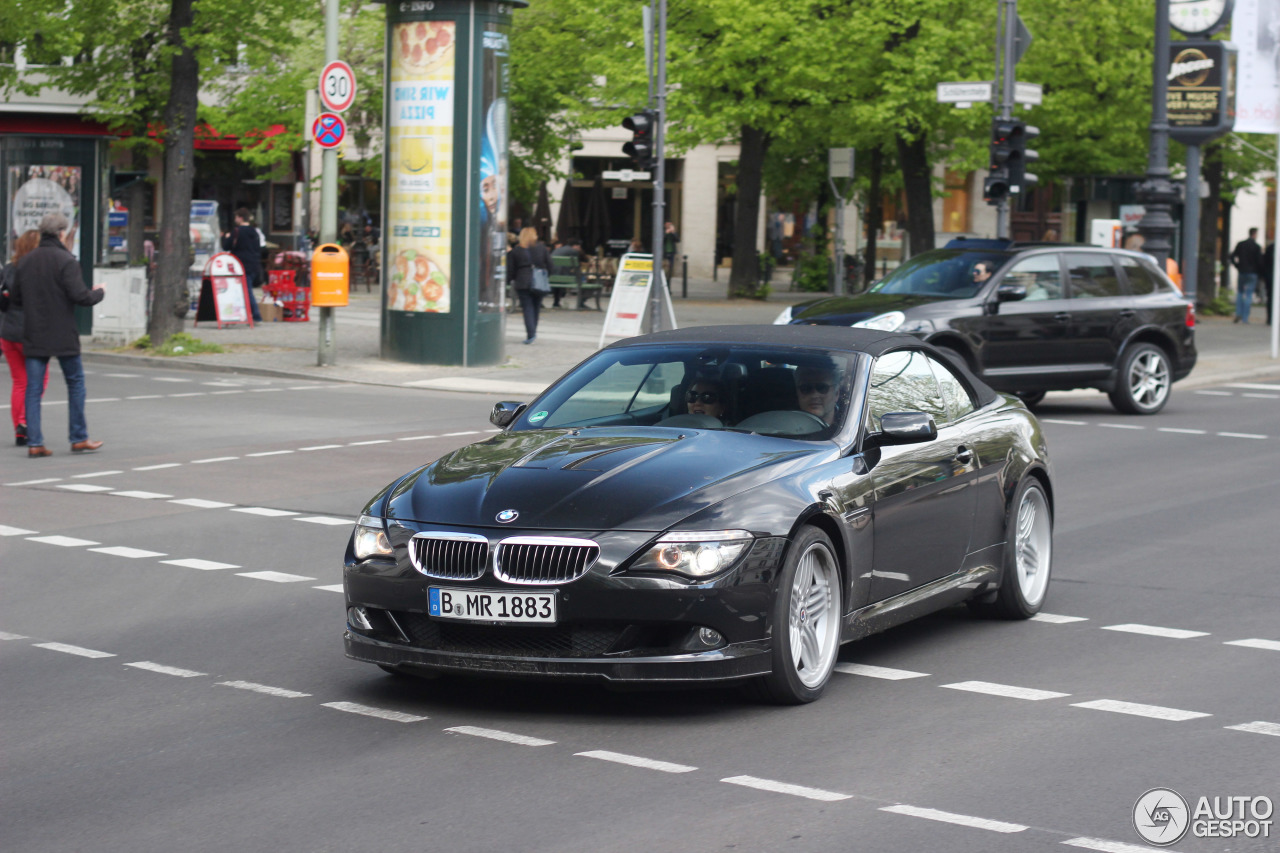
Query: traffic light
641	149
1019	177
1009	158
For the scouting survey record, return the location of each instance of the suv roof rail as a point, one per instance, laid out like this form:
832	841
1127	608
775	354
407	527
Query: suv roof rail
978	243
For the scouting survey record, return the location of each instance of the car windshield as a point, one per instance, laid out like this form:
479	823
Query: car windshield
950	273
778	391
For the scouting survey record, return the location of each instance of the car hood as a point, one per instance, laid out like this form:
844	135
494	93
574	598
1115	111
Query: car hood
847	310
637	478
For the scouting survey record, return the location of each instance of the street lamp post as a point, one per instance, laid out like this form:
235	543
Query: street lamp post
1157	193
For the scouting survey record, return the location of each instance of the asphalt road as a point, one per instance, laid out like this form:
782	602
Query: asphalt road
173	676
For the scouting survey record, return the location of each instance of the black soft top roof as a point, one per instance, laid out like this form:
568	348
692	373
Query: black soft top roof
842	338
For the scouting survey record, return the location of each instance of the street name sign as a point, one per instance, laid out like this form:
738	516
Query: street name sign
625	175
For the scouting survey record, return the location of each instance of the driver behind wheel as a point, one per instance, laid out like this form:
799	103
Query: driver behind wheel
706	397
817	388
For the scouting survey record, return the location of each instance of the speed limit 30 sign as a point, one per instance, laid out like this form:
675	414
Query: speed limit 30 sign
337	86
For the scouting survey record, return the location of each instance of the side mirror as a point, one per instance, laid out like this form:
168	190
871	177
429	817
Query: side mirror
904	428
1010	292
504	413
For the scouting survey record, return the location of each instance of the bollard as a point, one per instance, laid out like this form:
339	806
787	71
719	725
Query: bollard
684	277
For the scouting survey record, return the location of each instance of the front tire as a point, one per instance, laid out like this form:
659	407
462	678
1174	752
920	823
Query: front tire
1143	382
806	622
1028	554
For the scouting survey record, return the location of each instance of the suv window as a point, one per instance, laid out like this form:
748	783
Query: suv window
904	382
1041	275
1092	276
1141	281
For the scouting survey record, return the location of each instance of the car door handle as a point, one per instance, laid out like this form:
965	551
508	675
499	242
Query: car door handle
964	455
1127	313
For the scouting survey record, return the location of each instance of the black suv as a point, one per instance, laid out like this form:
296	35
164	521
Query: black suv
1030	318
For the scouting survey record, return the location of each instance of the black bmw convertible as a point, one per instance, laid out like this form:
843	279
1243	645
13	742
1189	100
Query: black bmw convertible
712	504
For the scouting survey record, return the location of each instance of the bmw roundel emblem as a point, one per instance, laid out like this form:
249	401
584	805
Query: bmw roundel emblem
507	516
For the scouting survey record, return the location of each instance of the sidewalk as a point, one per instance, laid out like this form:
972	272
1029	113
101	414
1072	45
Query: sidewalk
565	337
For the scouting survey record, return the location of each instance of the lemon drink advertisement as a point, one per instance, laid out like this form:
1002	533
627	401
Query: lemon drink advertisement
419	226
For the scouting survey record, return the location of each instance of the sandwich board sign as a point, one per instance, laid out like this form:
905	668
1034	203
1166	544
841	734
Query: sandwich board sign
629	303
224	292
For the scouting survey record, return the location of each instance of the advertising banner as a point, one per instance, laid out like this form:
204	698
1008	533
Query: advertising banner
629	303
1201	93
493	172
1255	30
419	226
37	190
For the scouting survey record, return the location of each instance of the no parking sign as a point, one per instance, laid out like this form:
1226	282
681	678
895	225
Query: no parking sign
328	130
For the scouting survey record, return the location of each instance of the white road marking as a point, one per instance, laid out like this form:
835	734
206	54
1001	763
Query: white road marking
1262	396
123	551
1254	386
785	788
202	565
169	379
146	397
949	817
1183	431
464	432
103	400
364	443
1006	690
322	447
85	487
64	541
416	437
268	453
1216	393
324	519
201	503
260	390
237	391
149	666
122	375
1153	631
274	577
304	387
36	482
263	510
190	394
1063	421
264	688
1258	728
95	474
337	587
1242	435
1154	711
495	734
636	761
1056	619
5	635
144	496
381	713
1121	426
878	671
73	650
214	459
14	531
1106	846
1269	645
158	467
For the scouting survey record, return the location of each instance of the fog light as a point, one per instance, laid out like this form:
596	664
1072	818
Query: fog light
709	637
359	619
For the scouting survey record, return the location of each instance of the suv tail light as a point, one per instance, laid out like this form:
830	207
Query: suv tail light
1191	315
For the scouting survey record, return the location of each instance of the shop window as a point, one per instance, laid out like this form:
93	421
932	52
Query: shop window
956	202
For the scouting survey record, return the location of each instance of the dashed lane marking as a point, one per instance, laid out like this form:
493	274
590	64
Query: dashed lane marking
1183	431
337	587
268	453
85	487
146	397
95	474
1269	645
214	459
1251	435
1121	426
959	819
73	650
263	510
201	503
143	496
1063	421
1155	712
786	788
1215	393
160	466
416	437
496	734
5	635
1258	728
368	711
5	530
123	551
1008	691
636	761
1254	386
1262	396
1154	631
1057	619
464	432
1105	846
64	541
169	379
151	666
274	577
878	671
367	443
191	394
41	481
219	393
201	565
264	688
321	447
324	519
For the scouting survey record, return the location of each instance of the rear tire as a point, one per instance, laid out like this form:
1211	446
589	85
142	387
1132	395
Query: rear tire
1031	399
806	622
1143	381
1028	555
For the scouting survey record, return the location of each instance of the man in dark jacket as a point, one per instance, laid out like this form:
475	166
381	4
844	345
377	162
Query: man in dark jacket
1247	258
242	241
47	286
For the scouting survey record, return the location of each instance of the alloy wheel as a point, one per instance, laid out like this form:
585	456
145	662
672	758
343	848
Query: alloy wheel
814	623
1034	546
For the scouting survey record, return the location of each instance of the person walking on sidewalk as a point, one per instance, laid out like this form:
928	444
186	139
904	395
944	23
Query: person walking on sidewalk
11	337
47	286
1247	259
243	242
528	255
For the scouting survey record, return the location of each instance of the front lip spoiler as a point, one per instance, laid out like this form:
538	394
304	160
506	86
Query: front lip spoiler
731	663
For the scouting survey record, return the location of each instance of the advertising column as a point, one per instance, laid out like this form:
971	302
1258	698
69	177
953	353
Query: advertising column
444	170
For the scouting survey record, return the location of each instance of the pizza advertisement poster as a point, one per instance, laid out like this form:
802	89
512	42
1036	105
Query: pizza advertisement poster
419	227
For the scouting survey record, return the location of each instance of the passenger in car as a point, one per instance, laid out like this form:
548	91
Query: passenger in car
816	389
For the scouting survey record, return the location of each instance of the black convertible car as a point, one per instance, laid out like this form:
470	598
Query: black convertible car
710	504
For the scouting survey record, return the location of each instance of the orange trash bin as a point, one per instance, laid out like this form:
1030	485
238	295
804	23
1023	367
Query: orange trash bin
330	276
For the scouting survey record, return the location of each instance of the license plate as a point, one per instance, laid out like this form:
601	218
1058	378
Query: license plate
491	605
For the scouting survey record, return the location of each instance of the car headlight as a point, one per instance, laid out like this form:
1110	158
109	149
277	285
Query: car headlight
371	538
915	327
784	319
695	553
888	322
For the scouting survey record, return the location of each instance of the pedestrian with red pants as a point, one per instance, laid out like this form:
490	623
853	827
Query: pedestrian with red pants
11	337
47	286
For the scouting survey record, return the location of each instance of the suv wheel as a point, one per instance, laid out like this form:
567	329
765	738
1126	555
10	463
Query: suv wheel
1143	382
